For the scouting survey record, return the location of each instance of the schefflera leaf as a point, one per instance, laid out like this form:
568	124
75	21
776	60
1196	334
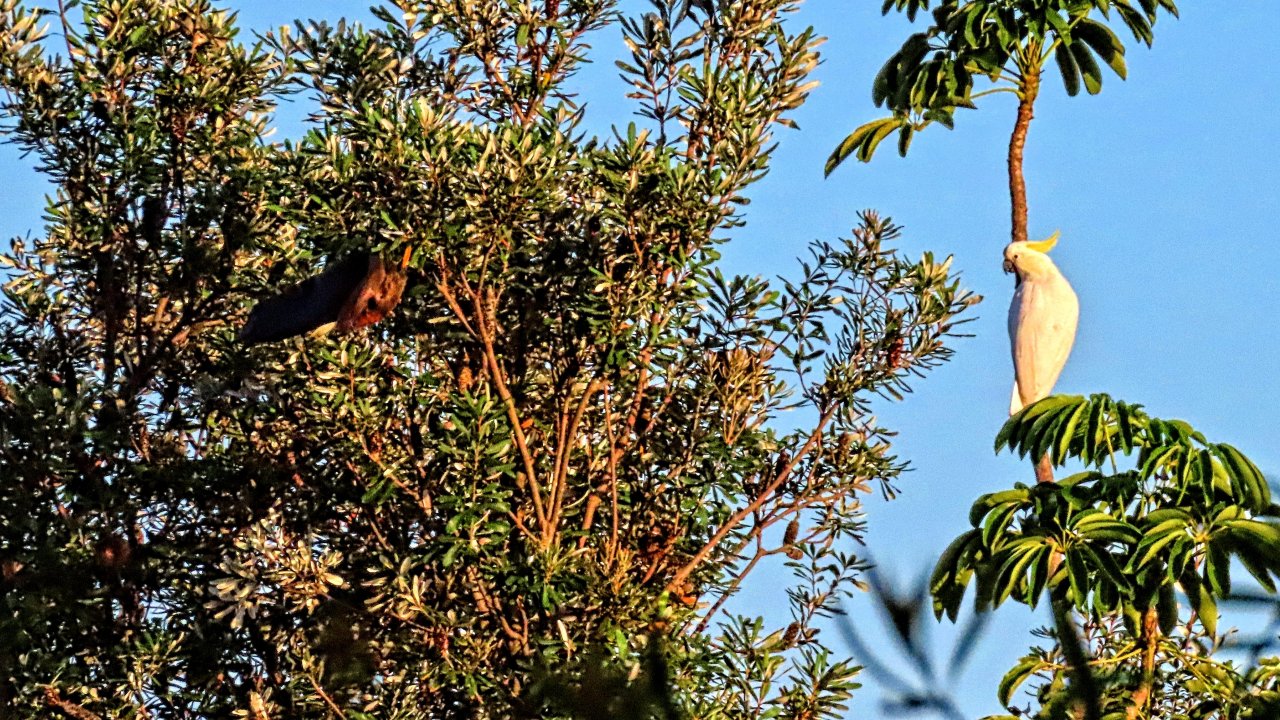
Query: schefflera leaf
1116	539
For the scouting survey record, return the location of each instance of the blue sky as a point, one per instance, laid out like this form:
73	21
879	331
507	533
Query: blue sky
1166	190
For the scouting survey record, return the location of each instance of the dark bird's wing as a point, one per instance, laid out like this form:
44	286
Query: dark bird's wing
314	302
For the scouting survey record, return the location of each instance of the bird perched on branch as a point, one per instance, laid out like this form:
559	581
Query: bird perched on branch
1042	326
355	292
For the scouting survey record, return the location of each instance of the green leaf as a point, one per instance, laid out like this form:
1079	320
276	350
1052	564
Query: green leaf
904	140
941	116
1163	515
1042	434
1164	456
1039	579
1016	676
1068	433
1136	22
1245	477
1089	69
862	143
985	503
1156	539
1061	27
1078	574
1257	565
950	575
1093	430
976	15
1208	611
1104	43
996	523
1107	564
1126	415
1108	529
1031	429
1264	537
1012	571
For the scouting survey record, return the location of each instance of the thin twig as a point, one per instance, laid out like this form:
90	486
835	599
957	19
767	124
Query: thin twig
522	442
683	573
325	696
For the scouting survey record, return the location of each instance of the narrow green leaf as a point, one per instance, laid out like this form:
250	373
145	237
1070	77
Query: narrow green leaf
1136	22
1092	432
1155	540
996	523
904	139
1016	676
1104	43
1256	564
1068	434
1089	69
1208	612
1078	575
1110	567
1061	27
1244	475
984	504
1125	417
863	141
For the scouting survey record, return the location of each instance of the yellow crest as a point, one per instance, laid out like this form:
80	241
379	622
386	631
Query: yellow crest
1045	245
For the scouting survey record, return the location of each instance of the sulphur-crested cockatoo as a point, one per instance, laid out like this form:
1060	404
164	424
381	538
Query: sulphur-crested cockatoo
1042	320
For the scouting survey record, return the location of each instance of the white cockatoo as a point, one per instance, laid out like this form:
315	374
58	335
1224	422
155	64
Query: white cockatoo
1042	320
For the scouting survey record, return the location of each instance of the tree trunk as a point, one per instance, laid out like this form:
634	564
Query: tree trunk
1017	143
1150	641
1018	192
1044	469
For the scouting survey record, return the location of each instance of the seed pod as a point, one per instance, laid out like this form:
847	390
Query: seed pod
793	529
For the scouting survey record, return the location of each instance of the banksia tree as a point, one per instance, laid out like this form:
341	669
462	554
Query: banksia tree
528	491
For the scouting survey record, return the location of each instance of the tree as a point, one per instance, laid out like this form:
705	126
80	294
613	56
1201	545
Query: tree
528	492
1010	42
1116	548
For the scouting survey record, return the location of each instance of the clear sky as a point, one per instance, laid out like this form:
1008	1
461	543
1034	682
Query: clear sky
1166	190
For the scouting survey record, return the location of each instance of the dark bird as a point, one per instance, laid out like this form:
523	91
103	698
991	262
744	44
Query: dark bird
353	293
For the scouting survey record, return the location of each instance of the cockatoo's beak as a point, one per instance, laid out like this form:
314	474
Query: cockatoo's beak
1008	266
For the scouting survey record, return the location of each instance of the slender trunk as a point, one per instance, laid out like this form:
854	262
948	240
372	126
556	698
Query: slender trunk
1017	143
1150	641
1044	469
1018	192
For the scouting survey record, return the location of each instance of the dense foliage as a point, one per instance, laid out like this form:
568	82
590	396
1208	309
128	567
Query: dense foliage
1117	548
532	490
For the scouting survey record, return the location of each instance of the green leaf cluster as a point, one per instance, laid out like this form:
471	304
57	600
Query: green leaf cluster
1008	42
1143	553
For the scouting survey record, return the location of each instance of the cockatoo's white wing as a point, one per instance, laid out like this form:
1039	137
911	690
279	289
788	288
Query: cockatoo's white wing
1042	328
